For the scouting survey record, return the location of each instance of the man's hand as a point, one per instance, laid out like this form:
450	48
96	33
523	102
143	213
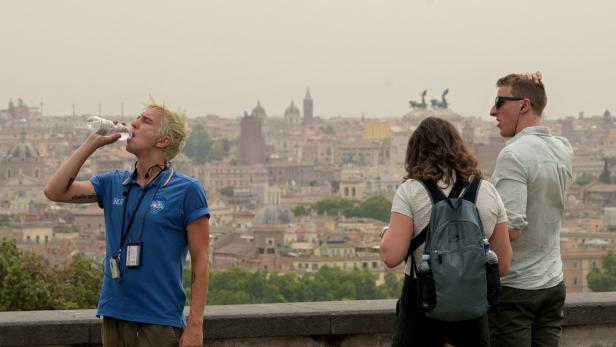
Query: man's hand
192	336
62	187
98	141
534	76
514	234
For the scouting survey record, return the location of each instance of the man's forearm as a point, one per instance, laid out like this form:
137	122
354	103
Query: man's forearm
62	179
199	284
514	234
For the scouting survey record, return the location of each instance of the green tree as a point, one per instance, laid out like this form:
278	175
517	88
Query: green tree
287	285
198	145
226	191
335	186
604	280
220	149
392	285
584	179
332	283
611	161
327	129
377	207
237	283
607	116
240	286
25	283
301	210
332	206
28	283
605	174
6	219
78	285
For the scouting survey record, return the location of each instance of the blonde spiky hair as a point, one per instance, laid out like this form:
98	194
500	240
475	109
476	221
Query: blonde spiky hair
173	125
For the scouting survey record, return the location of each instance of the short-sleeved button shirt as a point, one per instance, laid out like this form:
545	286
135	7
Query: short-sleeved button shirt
153	292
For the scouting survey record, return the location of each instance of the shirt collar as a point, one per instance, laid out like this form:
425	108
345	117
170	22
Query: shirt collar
538	130
167	173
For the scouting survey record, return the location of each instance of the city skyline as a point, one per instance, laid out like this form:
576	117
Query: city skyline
356	57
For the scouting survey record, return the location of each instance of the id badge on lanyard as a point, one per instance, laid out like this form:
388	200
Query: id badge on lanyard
133	253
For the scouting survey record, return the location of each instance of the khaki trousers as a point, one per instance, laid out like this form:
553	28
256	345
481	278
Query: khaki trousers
121	333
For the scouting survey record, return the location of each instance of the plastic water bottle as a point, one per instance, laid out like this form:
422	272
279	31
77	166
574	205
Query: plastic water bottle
106	127
426	296
492	274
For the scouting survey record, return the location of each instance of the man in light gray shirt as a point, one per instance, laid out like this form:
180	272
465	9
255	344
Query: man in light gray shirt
533	173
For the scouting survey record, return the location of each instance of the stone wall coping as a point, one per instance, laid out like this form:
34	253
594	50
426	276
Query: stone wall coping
66	327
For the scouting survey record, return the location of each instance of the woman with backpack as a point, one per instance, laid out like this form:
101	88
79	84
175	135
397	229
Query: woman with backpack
443	211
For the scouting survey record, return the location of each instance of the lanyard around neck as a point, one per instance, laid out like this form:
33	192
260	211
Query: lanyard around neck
126	231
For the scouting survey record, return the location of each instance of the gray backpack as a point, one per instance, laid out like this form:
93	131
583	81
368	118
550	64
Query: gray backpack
454	241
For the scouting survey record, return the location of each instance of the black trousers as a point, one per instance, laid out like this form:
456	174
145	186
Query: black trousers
528	317
413	328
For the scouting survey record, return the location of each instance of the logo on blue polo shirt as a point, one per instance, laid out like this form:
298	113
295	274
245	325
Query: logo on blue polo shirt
118	201
157	205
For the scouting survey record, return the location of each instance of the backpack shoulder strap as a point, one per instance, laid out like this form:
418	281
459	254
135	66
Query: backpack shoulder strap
473	190
415	243
435	193
456	190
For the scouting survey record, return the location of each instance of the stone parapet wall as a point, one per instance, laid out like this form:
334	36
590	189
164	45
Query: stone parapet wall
590	320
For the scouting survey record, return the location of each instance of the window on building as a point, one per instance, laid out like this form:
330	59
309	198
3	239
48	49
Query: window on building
353	191
261	250
271	251
364	265
315	266
575	281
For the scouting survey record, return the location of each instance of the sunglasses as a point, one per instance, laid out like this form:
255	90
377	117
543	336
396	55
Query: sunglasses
500	100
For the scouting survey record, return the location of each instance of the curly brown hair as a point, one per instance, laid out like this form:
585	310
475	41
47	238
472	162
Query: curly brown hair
436	150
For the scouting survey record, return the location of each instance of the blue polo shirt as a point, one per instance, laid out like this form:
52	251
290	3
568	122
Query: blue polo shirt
153	292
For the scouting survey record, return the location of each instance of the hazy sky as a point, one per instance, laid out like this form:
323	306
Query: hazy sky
220	57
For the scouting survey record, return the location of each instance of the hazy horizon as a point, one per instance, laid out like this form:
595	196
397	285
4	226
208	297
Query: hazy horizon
220	57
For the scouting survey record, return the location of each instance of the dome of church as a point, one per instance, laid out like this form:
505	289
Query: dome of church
273	214
291	111
22	151
258	111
